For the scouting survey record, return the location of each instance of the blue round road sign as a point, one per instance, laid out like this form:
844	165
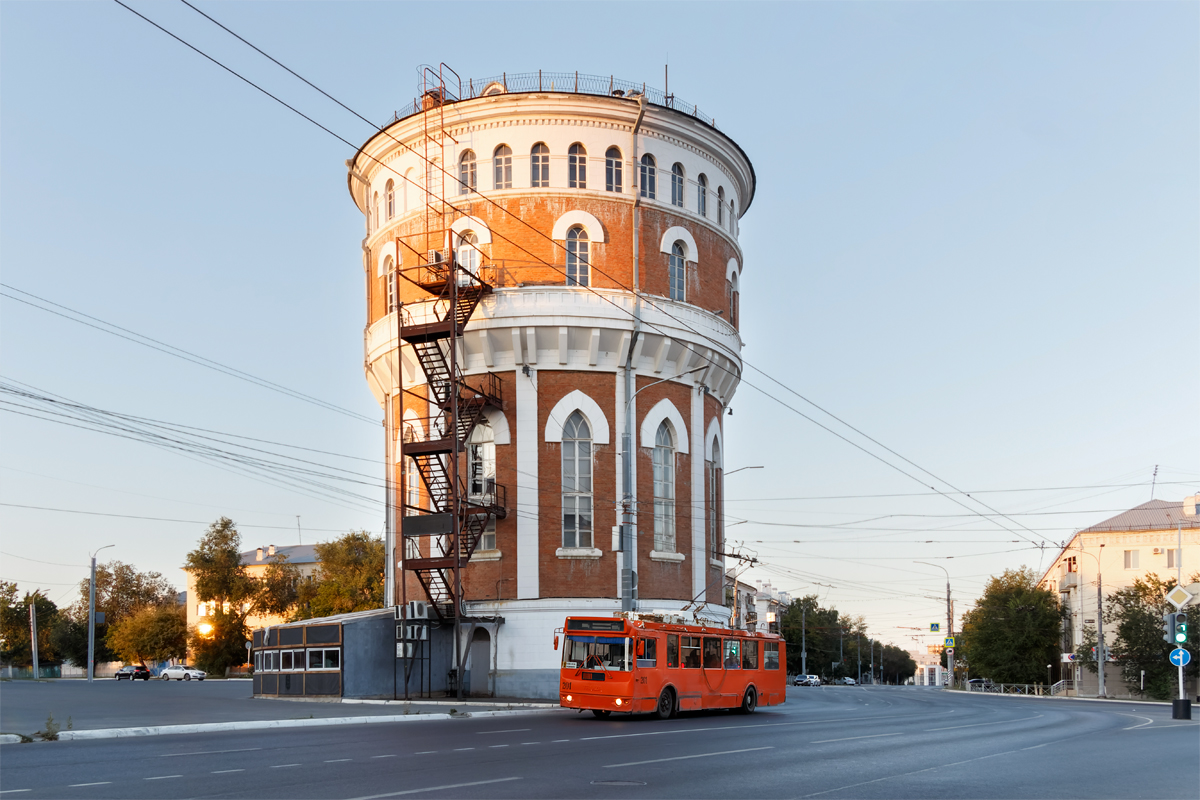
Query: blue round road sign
1180	657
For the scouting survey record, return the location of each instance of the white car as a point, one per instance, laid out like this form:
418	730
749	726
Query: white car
182	672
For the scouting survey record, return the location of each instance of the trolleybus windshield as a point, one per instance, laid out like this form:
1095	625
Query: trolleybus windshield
596	652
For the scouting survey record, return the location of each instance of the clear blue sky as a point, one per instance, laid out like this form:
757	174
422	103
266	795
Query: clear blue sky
975	238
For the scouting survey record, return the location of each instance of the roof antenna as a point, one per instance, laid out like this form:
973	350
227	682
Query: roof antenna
1153	480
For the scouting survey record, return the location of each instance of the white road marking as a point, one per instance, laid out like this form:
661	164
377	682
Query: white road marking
553	741
981	724
852	738
684	758
1148	721
337	760
223	771
530	742
493	746
510	730
435	788
425	753
161	777
97	783
209	752
10	791
389	755
747	727
281	766
1036	746
461	749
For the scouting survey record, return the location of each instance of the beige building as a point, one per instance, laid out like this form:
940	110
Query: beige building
255	561
1154	538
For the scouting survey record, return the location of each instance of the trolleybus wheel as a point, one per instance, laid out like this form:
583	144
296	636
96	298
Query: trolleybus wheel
666	705
601	713
749	701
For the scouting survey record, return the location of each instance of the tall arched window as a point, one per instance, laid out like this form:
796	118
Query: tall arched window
502	166
389	273
677	184
612	170
539	166
412	505
649	177
481	476
733	216
578	272
577	167
721	205
715	476
390	193
467	177
677	271
702	195
731	292
577	482
664	489
468	252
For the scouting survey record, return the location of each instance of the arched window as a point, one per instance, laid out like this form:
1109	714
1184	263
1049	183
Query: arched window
539	166
577	167
612	170
715	498
733	216
467	177
664	489
390	193
577	482
481	476
389	273
412	505
677	271
649	177
731	295
702	195
578	272
721	205
677	184
502	164
468	252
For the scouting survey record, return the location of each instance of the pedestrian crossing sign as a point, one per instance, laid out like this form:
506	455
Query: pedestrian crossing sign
935	627
949	642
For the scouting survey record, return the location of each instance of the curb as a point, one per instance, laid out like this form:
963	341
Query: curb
1165	704
9	738
454	703
251	725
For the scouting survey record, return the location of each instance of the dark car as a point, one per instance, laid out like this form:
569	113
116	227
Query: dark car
134	672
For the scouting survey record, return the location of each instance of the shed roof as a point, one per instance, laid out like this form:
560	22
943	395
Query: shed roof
296	554
1156	515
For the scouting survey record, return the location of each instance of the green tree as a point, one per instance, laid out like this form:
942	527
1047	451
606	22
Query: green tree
350	577
121	591
1014	630
153	633
69	638
14	626
898	664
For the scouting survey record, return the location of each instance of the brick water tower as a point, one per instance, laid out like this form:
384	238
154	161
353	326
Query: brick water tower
552	269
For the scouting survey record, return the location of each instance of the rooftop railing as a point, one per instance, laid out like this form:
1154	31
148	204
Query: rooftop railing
563	82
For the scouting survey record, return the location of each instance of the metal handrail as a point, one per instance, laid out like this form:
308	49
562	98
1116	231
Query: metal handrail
557	82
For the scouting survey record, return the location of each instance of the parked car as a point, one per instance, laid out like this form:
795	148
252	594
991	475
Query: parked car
182	672
800	680
849	682
133	672
808	680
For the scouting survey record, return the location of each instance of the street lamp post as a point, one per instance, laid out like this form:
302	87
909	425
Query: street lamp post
949	616
91	665
1100	656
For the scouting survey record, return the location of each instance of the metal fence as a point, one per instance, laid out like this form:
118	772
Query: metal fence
1037	689
566	82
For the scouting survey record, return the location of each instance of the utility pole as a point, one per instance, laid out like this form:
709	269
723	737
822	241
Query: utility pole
91	665
872	662
858	650
1100	655
33	632
949	617
803	640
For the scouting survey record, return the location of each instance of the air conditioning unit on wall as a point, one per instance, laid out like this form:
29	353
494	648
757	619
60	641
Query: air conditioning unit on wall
1158	551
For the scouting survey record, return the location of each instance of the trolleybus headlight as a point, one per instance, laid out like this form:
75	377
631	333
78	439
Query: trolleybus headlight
618	701
568	698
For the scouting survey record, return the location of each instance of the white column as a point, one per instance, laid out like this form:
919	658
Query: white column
528	438
619	488
699	512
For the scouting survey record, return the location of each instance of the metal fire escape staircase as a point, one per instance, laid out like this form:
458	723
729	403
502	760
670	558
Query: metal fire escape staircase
459	508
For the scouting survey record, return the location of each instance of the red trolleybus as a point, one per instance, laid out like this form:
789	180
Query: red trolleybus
642	665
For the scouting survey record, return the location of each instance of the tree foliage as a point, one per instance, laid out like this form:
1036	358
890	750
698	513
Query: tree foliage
350	577
121	591
14	626
1013	631
831	638
153	633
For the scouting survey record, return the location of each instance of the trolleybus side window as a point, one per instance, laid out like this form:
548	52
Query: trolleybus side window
749	655
691	652
672	650
596	652
712	652
647	652
771	655
732	654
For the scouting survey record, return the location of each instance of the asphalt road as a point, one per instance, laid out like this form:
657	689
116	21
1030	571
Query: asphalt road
842	742
125	704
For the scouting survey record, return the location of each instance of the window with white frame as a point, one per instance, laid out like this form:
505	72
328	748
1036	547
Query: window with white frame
664	489
715	534
733	216
1131	559
731	297
702	195
720	205
389	275
327	658
467	176
577	482
468	252
649	177
412	504
613	167
390	195
578	271
577	166
481	475
677	271
677	184
502	167
539	166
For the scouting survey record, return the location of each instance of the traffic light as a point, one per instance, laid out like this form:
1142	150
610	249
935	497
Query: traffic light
1179	628
1169	628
